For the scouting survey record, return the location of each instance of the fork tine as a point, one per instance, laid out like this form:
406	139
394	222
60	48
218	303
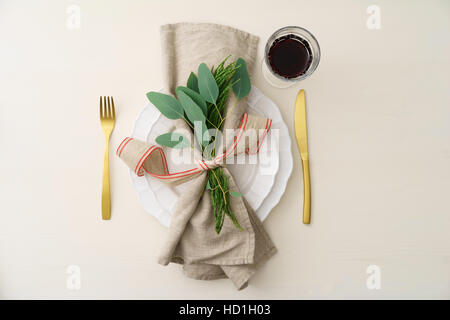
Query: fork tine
109	108
113	109
101	108
105	108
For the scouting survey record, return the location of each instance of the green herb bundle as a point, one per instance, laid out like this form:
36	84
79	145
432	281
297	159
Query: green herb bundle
202	105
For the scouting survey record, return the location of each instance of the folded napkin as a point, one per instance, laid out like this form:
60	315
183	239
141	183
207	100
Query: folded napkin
192	240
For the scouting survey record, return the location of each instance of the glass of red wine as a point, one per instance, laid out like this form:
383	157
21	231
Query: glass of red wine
291	55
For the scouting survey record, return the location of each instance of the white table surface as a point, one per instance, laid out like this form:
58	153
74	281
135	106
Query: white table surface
379	129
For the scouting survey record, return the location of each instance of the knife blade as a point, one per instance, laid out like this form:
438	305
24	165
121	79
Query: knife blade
302	143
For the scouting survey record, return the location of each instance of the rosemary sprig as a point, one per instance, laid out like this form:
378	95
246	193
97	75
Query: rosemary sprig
223	76
218	182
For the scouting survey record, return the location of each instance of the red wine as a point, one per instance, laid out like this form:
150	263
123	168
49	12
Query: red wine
290	56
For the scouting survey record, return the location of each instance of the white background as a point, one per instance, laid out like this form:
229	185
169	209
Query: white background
379	128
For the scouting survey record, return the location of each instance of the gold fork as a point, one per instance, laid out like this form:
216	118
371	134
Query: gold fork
107	120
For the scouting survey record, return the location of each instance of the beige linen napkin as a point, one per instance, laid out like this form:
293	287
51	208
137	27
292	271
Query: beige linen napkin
192	240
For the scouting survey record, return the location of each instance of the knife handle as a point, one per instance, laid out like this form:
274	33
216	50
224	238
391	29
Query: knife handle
306	192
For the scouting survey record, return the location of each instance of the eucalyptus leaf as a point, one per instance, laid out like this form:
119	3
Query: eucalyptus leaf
198	99
201	132
173	140
167	105
207	84
241	80
195	114
192	82
208	186
235	194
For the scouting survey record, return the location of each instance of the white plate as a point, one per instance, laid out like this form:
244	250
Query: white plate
262	183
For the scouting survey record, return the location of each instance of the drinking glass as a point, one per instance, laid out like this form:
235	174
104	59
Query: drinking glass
293	33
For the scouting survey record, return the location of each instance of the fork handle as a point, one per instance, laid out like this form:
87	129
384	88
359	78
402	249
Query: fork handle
106	194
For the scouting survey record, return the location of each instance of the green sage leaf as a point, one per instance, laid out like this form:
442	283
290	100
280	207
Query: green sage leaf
235	194
206	84
173	140
241	80
198	99
196	116
192	82
167	105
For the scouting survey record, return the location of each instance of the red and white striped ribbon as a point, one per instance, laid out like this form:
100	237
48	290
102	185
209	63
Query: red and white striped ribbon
202	165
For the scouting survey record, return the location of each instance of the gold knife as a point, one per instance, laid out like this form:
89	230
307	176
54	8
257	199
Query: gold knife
302	142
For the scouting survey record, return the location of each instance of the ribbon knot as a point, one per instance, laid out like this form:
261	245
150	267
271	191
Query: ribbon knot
205	165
